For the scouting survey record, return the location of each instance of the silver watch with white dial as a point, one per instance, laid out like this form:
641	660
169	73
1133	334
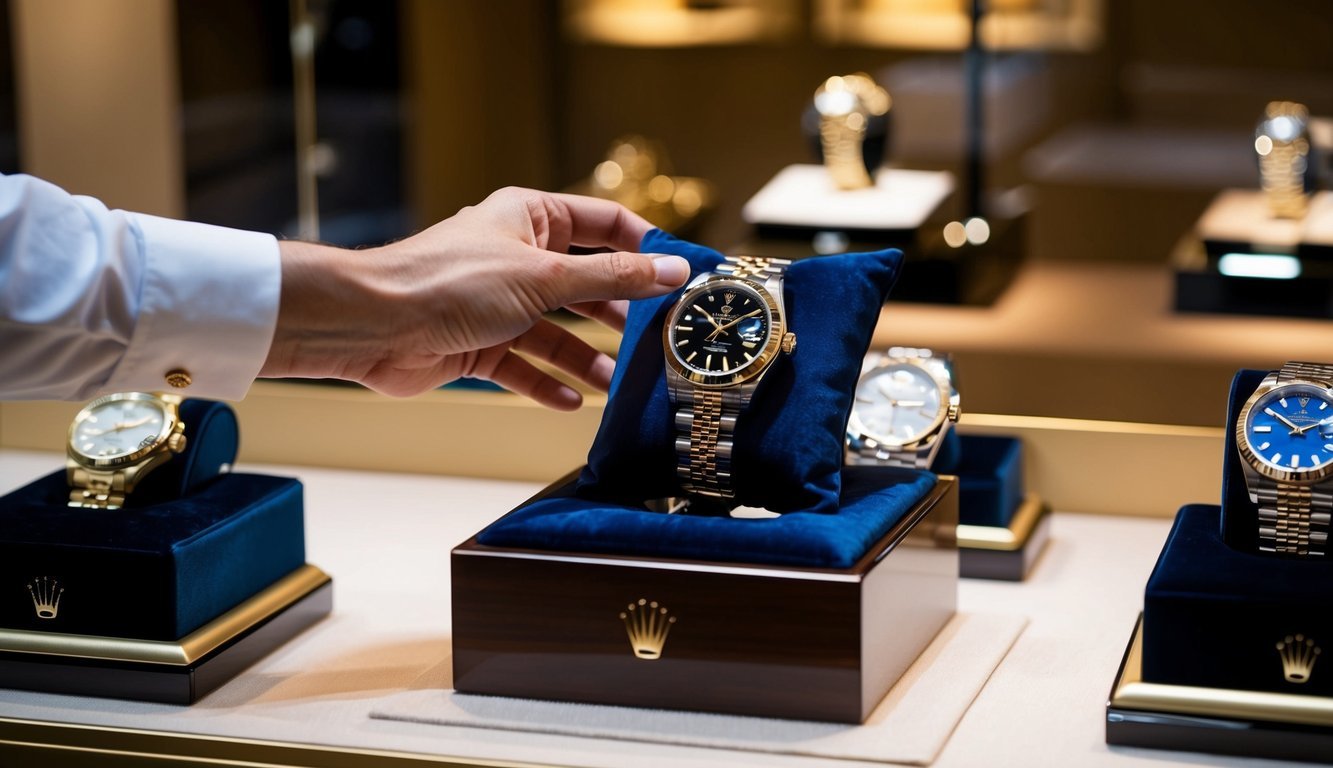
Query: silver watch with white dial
905	404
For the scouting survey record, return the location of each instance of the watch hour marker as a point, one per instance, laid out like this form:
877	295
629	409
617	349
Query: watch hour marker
1328	447
1314	459
1283	402
713	298
748	356
749	344
1263	429
708	362
1322	406
1295	461
682	342
1277	458
692	355
87	447
1264	445
684	327
725	363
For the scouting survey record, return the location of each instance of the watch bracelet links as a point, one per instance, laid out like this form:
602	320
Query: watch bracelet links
705	424
878	455
841	142
750	267
1294	519
97	490
705	419
1302	371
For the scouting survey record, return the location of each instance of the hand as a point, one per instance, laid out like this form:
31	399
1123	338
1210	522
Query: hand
465	296
723	328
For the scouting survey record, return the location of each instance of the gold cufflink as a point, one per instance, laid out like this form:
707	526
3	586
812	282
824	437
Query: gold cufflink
179	378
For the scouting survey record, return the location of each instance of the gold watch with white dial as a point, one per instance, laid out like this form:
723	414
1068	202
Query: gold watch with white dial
115	441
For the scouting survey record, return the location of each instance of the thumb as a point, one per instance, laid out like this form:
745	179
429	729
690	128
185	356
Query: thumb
620	275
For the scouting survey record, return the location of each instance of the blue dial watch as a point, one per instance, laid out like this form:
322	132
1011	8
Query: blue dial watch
1285	438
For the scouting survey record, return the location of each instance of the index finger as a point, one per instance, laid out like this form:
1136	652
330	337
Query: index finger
593	223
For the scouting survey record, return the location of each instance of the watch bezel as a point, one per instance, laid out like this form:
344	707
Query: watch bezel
1292	476
948	397
777	328
169	421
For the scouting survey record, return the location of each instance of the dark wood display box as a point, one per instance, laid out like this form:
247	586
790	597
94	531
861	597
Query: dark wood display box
1006	553
180	672
1279	726
801	643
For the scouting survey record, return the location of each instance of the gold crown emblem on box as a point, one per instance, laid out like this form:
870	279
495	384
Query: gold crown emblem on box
45	593
647	624
1298	653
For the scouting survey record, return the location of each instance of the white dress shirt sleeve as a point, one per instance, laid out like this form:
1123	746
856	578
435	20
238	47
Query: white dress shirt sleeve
95	301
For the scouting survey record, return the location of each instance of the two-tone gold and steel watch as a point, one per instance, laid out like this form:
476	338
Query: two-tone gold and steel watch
845	105
115	441
1282	141
1284	434
720	339
905	404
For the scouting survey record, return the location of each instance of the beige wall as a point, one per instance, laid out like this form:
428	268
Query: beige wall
98	99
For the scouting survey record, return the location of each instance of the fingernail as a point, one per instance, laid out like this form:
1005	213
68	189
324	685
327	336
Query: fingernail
671	270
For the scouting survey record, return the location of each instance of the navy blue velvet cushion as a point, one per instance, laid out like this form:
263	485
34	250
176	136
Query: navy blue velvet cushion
212	438
1240	516
1213	614
873	499
155	571
789	444
990	479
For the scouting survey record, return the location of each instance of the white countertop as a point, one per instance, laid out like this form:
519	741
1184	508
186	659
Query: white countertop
385	538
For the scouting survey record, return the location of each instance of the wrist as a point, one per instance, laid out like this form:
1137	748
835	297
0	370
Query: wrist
318	334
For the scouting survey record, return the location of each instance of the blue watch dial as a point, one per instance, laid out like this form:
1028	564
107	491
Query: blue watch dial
1291	428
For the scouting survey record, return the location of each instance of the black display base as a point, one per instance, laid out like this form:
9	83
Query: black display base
1210	291
933	272
1217	721
175	683
1005	554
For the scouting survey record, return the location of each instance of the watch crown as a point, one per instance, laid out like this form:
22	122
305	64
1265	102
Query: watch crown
176	443
955	411
789	343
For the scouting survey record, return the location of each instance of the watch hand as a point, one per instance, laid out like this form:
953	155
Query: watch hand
131	424
1310	426
911	403
707	316
1281	418
723	328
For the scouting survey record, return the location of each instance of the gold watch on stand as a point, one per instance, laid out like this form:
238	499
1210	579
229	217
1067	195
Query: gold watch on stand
1282	141
115	441
1284	434
905	404
845	105
720	339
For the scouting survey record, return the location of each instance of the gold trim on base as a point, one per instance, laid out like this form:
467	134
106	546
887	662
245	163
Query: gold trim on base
1006	539
184	652
1131	692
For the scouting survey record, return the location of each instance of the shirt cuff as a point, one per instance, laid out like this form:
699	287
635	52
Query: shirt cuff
208	308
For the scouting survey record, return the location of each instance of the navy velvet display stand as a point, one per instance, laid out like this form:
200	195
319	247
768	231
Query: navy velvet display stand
787	458
192	542
1221	616
1002	529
